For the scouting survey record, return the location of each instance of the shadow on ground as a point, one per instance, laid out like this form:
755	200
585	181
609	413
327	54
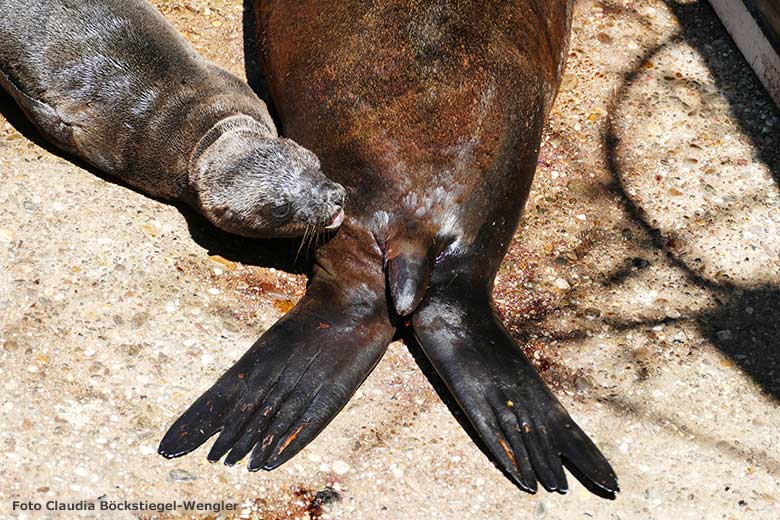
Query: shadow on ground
745	325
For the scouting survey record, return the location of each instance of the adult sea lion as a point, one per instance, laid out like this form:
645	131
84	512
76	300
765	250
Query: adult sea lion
111	82
430	113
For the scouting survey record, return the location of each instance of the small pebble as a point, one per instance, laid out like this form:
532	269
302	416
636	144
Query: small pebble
396	471
724	335
180	475
340	467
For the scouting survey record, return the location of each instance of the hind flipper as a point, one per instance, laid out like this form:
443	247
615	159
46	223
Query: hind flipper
289	385
283	392
515	414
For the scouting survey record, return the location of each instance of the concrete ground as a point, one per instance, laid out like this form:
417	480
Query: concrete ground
644	282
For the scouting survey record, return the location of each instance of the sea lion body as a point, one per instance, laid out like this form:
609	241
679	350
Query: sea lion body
430	113
112	83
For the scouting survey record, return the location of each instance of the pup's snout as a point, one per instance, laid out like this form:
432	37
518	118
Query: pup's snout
334	193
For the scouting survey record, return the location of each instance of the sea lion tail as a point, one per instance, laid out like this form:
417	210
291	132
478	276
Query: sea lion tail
409	262
522	424
283	392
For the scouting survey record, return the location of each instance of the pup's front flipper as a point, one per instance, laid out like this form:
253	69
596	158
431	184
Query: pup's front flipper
281	394
523	425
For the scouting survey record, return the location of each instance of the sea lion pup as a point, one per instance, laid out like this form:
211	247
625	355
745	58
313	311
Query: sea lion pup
430	113
111	82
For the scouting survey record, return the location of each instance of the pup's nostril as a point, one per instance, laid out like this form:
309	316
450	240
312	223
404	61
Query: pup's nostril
335	193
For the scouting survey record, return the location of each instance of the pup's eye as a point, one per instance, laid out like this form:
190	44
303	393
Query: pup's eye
281	211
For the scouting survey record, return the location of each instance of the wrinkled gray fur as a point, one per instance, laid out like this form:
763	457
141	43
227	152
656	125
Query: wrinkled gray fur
112	83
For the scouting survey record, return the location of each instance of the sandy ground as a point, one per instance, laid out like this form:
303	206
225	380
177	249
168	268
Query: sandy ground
643	282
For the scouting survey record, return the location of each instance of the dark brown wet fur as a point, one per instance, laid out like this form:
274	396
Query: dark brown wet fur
430	114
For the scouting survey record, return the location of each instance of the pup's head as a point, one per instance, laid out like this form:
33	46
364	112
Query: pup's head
259	186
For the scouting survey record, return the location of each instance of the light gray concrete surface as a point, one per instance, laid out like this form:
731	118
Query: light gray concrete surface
643	282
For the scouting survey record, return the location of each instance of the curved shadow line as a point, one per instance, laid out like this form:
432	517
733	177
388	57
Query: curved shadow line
731	298
764	142
618	188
